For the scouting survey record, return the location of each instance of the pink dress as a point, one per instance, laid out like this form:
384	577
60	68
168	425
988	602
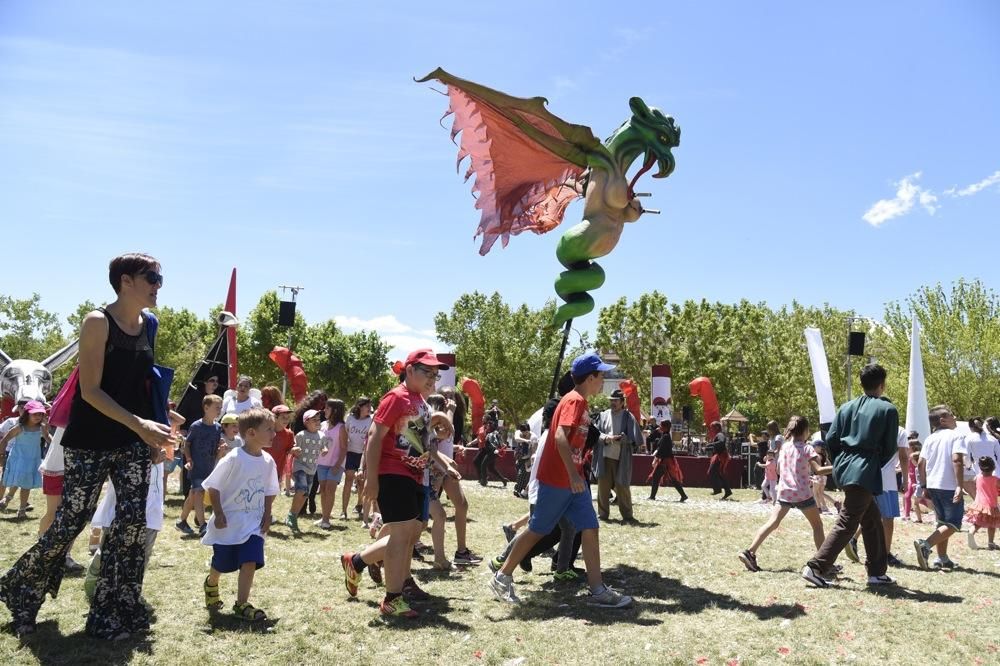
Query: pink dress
984	512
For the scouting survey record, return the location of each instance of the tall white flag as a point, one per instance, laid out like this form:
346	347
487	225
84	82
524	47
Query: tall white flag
821	375
917	414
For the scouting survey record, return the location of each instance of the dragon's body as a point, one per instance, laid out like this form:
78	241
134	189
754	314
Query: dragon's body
530	165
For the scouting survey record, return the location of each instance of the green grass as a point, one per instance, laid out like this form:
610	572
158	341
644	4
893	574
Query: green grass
695	601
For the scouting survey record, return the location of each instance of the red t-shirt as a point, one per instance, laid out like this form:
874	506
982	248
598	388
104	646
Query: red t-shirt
284	440
571	412
404	449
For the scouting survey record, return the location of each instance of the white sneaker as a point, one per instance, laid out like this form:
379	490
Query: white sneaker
322	524
884	579
972	541
609	598
503	588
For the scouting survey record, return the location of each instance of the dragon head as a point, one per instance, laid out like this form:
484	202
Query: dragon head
658	133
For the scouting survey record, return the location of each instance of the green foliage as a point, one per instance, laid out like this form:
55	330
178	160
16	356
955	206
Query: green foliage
27	330
960	346
512	352
182	340
755	356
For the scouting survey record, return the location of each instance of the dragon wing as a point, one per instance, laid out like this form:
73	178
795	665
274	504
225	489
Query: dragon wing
61	356
526	160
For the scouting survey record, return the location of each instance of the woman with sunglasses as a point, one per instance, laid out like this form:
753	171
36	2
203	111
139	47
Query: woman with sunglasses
111	433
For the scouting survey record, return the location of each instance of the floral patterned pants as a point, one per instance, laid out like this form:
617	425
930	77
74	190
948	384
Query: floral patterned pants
116	609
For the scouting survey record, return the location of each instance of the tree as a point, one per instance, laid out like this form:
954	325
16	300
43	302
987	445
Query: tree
960	346
27	330
259	333
347	366
512	352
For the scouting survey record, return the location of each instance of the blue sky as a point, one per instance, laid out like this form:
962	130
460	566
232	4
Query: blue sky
289	140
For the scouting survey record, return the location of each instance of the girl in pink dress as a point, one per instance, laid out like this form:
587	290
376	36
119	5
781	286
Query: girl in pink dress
984	512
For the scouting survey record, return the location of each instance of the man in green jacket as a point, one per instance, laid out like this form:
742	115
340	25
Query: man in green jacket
861	440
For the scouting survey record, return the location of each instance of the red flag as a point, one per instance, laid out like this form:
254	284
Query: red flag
471	388
631	391
291	365
702	388
234	366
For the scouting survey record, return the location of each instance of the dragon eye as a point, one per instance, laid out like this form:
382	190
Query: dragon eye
663	138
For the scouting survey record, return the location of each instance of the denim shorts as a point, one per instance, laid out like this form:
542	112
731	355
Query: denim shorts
554	503
948	513
804	504
326	473
888	504
302	481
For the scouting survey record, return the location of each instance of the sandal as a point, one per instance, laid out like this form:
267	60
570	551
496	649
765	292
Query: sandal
213	601
246	611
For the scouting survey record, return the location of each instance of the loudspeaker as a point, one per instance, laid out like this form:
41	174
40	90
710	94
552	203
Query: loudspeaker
286	313
686	412
856	343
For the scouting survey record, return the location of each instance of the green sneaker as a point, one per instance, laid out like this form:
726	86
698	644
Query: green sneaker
293	522
495	564
568	576
398	607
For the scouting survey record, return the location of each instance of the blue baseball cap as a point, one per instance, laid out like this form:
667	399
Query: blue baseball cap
588	363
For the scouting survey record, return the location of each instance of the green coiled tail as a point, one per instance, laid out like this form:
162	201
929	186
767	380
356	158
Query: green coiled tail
572	286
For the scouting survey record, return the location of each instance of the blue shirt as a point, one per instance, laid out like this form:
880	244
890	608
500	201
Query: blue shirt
203	444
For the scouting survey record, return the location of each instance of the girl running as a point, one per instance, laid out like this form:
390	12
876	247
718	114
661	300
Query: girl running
796	459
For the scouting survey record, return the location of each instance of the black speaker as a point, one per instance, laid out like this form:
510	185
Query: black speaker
686	412
856	343
286	313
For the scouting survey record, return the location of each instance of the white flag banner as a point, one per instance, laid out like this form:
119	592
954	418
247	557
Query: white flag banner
917	414
821	375
446	377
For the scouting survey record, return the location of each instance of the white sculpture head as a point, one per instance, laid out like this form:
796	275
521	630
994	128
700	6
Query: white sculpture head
24	379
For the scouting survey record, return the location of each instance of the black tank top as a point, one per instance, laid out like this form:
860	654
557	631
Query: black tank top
128	364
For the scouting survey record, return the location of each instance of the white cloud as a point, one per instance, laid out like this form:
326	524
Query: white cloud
975	188
402	337
908	193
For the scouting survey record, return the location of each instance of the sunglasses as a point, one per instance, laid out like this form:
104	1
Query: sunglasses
430	372
153	278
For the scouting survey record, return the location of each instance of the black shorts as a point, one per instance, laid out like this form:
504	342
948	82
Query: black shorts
400	498
352	462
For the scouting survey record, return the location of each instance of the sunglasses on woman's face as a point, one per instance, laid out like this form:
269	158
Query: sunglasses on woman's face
153	278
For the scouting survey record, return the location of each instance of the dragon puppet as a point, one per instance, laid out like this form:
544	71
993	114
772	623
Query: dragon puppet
530	165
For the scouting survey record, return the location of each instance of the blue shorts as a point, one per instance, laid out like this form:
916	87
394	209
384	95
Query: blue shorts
226	558
353	461
888	504
326	473
555	503
302	481
948	513
172	464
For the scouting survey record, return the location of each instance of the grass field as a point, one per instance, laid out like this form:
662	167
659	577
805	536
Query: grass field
695	603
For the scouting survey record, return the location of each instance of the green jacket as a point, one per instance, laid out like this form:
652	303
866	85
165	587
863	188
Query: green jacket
862	440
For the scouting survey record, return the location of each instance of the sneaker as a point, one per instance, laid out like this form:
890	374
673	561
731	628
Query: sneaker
881	580
992	546
357	509
568	576
398	607
323	524
343	516
293	522
893	560
972	541
749	560
351	577
923	552
466	557
375	572
495	564
851	550
509	533
202	529
182	527
503	588
813	578
944	565
412	591
608	598
524	494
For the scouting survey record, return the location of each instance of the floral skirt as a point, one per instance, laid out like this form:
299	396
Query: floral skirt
116	609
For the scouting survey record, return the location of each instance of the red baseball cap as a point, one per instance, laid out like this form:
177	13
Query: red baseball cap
424	357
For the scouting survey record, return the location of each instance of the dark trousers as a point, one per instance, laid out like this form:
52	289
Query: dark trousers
657	475
487	464
523	475
717	480
859	507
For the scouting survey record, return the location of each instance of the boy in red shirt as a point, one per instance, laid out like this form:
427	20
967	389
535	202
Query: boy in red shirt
562	490
395	459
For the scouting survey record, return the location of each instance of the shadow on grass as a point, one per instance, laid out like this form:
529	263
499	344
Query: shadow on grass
899	592
50	646
301	536
433	614
222	621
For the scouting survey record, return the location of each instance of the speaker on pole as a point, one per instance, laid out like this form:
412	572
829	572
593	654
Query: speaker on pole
286	313
856	343
686	413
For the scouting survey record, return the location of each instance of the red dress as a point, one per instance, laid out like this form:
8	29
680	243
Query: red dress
984	512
